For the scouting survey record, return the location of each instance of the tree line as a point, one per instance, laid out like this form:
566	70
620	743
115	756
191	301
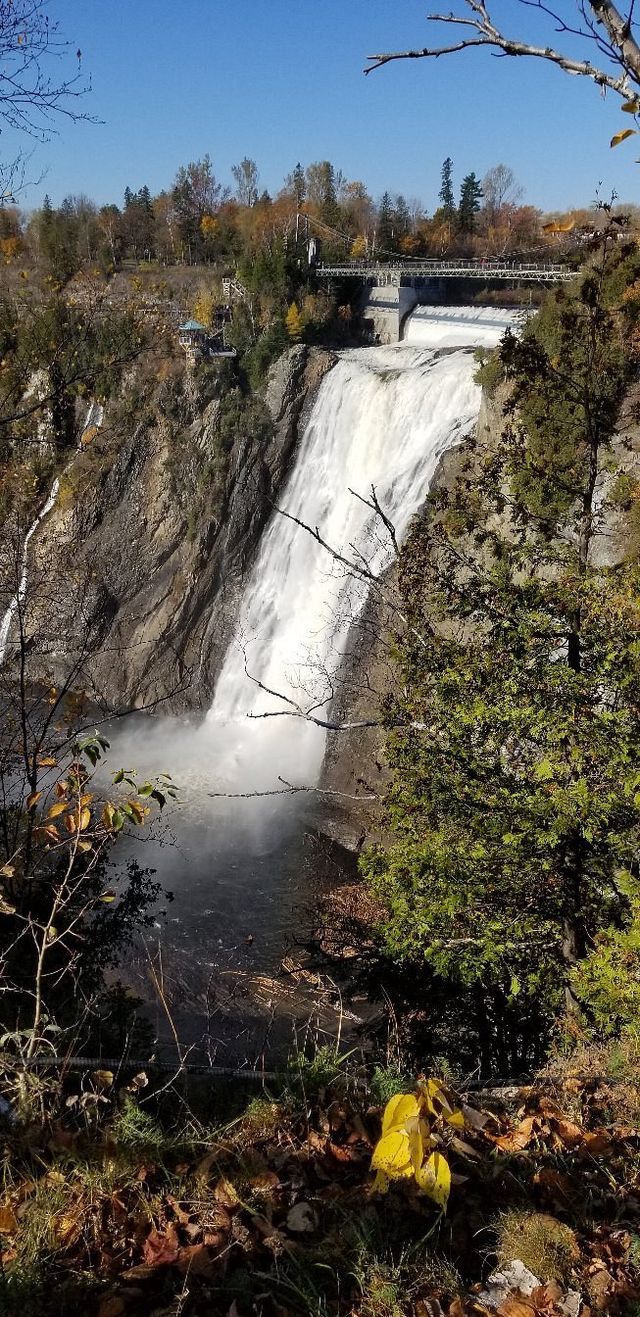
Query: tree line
199	219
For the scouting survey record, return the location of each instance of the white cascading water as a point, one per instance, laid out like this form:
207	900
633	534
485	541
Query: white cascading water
383	417
93	420
19	597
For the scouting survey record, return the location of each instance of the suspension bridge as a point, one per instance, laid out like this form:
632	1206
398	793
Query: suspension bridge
397	273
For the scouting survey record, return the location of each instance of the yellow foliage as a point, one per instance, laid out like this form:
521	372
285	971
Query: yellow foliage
358	248
10	248
622	137
294	323
203	308
406	1139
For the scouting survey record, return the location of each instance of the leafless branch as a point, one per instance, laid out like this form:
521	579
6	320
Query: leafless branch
611	32
289	789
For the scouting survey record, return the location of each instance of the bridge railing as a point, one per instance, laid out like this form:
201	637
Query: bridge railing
491	268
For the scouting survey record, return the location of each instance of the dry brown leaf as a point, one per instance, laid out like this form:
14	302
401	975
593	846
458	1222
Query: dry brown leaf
161	1249
8	1219
570	1134
456	1308
547	1294
341	1152
225	1193
518	1139
516	1306
195	1260
598	1142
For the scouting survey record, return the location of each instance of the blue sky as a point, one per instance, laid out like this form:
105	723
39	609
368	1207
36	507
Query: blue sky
281	81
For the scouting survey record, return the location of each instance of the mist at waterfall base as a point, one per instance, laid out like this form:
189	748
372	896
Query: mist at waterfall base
239	863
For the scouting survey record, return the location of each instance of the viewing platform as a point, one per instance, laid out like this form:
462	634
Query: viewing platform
395	273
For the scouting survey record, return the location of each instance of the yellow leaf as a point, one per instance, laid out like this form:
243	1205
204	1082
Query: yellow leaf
85	819
454	1118
107	815
392	1155
381	1183
622	137
398	1111
430	1089
47	761
103	1077
631	107
33	799
7	870
49	833
55	810
107	897
86	800
137	810
52	933
66	1230
434	1178
84	845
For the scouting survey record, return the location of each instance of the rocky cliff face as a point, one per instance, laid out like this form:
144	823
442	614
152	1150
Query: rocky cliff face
156	525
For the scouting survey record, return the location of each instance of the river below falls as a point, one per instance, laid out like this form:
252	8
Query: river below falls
241	882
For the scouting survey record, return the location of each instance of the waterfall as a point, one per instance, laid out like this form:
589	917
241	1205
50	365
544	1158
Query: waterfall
383	417
93	420
20	595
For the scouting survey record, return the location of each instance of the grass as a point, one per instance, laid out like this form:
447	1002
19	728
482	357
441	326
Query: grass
548	1247
272	1208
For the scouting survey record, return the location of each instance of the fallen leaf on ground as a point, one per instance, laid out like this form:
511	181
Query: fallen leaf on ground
8	1219
161	1249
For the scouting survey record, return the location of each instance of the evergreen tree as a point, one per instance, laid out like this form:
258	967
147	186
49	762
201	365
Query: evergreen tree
401	218
515	796
445	195
470	199
385	231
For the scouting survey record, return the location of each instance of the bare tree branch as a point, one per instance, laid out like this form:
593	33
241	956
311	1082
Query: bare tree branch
611	32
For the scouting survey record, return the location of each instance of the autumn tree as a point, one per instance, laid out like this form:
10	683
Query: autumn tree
295	324
514	808
196	193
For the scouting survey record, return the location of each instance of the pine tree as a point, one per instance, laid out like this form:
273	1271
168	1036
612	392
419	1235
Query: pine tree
385	230
470	198
445	195
515	796
298	184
